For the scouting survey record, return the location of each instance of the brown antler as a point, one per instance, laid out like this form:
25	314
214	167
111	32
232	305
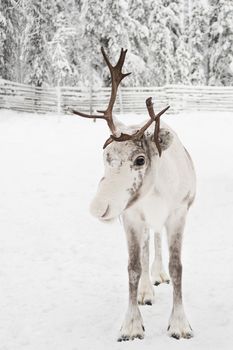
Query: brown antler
116	77
155	118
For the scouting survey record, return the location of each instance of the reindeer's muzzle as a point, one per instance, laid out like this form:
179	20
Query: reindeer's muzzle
111	198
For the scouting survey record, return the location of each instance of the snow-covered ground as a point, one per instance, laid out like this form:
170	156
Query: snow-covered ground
63	275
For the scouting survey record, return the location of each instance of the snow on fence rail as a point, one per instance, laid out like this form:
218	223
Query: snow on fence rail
27	98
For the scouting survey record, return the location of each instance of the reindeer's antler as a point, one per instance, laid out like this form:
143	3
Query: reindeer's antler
116	77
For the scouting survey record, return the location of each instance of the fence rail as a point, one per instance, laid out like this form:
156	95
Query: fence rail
27	98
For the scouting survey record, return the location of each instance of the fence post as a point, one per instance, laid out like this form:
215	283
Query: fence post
91	88
91	100
121	101
58	99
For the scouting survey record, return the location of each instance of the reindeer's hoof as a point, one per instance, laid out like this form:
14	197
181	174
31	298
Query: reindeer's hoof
160	277
187	335
145	293
123	338
132	327
179	326
145	302
127	338
176	336
157	283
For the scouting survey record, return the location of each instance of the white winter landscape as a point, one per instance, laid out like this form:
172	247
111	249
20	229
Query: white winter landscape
63	274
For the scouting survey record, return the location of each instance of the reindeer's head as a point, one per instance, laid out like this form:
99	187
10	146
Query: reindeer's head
127	157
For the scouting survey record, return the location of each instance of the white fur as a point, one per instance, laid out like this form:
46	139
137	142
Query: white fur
158	274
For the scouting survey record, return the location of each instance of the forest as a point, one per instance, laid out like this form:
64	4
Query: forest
57	42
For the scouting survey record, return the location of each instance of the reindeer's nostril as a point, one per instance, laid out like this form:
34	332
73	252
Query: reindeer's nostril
105	213
99	208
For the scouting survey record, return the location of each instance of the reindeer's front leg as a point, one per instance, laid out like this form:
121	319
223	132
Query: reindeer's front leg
178	324
133	325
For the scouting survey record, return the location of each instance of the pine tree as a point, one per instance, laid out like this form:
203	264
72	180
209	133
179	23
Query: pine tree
8	40
2	44
89	60
198	43
59	49
161	46
139	42
117	25
221	43
37	34
173	13
182	57
186	19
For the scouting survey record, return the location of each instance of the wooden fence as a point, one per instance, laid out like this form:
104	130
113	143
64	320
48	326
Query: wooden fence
21	97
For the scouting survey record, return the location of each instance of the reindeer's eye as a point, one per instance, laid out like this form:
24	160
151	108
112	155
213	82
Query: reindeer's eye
139	161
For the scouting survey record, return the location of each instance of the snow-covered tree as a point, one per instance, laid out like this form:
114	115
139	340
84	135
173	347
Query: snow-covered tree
198	43
116	34
8	40
2	44
106	24
161	46
138	11
59	51
89	60
186	19
173	13
37	33
68	38
168	41
221	43
182	56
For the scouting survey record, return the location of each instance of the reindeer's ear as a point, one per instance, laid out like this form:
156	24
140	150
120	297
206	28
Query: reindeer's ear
165	138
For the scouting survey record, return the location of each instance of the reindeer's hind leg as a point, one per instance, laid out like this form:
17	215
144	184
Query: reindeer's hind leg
146	291
178	324
158	273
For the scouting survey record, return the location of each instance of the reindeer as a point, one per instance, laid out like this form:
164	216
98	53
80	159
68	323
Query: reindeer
149	181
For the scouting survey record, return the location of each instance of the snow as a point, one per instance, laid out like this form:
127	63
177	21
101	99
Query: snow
63	275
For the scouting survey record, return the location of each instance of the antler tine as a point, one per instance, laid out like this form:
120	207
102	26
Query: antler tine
150	108
97	116
121	59
116	78
151	112
149	105
119	64
155	118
